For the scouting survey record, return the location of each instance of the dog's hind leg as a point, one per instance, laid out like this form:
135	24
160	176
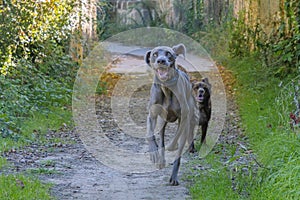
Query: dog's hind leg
174	179
173	144
176	164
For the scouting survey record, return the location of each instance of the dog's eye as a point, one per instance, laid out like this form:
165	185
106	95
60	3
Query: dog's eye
168	54
155	54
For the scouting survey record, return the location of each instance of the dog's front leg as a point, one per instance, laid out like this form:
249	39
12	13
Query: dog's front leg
162	161
174	179
204	131
190	139
153	148
156	109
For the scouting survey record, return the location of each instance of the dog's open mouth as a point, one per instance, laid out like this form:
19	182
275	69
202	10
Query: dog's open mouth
162	73
200	98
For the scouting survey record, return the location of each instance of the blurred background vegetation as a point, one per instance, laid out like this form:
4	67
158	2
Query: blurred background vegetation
43	42
36	71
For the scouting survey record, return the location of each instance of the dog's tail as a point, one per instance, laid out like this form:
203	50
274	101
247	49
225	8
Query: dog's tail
157	109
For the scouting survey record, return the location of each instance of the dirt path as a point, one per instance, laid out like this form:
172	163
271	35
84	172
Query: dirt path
75	168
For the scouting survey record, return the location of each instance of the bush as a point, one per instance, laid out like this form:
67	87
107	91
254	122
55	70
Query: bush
32	31
278	50
35	71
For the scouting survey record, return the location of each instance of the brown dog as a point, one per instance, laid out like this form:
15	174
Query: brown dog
202	92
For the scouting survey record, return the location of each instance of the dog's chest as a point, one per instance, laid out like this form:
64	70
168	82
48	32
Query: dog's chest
204	112
171	104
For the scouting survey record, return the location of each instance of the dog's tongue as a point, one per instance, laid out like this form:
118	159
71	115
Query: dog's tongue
162	73
200	98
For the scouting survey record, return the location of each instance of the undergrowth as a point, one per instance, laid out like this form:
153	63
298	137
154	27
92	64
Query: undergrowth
36	80
265	103
266	69
266	122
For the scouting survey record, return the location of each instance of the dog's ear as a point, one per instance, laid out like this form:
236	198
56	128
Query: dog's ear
179	49
205	80
194	82
147	57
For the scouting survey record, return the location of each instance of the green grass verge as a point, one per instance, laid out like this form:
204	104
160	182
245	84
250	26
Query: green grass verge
35	127
32	129
15	187
264	107
3	162
265	119
213	182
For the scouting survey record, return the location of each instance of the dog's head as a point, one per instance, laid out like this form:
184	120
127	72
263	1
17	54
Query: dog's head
162	60
201	90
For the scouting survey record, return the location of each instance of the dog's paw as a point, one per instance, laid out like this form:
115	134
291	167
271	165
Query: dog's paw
157	159
161	164
153	151
173	182
192	148
154	156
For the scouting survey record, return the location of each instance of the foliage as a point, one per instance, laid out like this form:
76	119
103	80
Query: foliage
35	71
263	65
274	142
154	18
189	22
107	83
191	17
32	91
287	102
36	78
279	49
32	30
109	24
105	20
3	162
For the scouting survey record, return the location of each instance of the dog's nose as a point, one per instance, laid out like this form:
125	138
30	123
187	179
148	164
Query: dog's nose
161	61
201	91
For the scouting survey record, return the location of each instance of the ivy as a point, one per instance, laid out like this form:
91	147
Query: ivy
36	72
280	49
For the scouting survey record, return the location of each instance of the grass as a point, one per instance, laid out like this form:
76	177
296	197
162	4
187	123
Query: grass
213	182
264	108
42	170
15	187
34	129
41	123
262	113
3	162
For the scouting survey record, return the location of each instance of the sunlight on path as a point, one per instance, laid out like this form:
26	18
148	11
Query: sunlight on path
127	61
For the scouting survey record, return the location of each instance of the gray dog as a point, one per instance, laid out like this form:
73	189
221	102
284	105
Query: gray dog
171	98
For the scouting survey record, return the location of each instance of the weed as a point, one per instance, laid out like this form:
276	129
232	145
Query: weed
278	50
264	109
48	163
213	182
42	170
3	162
21	187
